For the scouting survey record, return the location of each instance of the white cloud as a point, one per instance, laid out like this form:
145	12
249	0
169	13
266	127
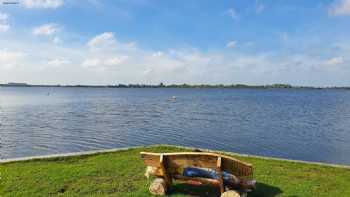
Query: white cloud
340	7
91	62
9	56
56	40
58	62
115	61
232	13
9	59
3	17
231	44
105	51
124	62
43	4
193	66
147	71
334	61
106	39
158	54
4	26
46	29
99	62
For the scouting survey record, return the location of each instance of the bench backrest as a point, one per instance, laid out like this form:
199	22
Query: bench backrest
175	161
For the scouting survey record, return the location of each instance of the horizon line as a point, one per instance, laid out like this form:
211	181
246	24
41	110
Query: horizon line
175	85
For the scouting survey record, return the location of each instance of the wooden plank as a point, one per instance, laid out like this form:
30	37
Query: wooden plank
197	154
200	161
163	167
198	179
151	159
237	168
220	175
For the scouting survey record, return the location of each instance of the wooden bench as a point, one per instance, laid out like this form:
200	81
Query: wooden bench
169	166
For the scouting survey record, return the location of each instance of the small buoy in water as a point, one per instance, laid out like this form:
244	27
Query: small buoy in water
173	98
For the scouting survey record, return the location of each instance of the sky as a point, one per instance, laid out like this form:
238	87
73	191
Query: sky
101	42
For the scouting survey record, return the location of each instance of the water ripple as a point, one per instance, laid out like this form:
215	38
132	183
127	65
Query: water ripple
310	125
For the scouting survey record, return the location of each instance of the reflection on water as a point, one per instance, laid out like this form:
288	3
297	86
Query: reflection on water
309	125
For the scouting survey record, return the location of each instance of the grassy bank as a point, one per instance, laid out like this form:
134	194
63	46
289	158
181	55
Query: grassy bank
122	174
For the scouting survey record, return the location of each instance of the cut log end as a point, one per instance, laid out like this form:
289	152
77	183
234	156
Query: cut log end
230	193
158	187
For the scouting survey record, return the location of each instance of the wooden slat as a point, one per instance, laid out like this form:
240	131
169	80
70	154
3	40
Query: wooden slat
198	179
237	168
197	154
200	161
163	167
219	172
151	159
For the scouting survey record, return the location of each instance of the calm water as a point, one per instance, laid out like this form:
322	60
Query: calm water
311	125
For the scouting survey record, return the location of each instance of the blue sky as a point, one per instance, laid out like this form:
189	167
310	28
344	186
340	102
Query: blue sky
192	41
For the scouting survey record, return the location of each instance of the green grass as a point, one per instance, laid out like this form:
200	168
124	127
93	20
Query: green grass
122	174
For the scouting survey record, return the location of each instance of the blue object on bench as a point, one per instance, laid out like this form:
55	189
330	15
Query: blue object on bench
202	173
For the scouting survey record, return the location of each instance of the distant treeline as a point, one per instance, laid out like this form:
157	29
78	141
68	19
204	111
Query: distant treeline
161	85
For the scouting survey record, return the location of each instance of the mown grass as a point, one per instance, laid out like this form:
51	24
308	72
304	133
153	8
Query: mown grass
122	174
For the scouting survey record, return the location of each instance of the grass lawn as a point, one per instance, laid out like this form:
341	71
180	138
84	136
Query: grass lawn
122	174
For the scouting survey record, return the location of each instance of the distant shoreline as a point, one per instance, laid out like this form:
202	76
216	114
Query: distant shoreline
231	86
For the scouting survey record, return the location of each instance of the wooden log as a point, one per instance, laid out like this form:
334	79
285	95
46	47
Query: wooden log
230	193
158	187
153	171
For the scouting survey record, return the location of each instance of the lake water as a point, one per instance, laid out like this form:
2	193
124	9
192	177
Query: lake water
312	125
